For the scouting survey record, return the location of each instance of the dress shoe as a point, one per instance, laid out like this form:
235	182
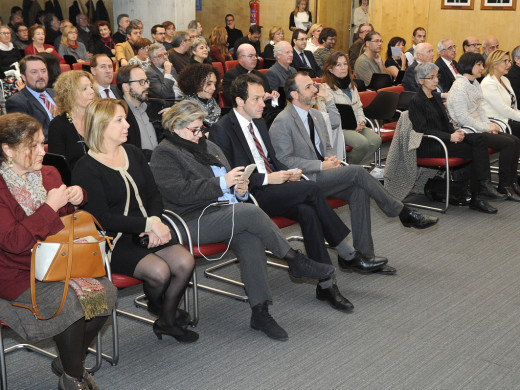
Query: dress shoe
182	317
69	383
481	205
487	191
57	368
178	333
362	263
516	188
300	266
509	192
386	270
333	296
418	220
263	321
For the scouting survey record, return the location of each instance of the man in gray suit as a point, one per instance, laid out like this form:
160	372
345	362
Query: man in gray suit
278	73
162	75
300	139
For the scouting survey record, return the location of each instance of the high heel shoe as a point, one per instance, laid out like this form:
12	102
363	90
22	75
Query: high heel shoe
178	333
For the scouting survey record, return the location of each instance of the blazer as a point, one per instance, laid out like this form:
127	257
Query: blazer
233	74
446	78
298	63
292	143
26	103
124	51
409	82
497	101
160	87
228	135
277	75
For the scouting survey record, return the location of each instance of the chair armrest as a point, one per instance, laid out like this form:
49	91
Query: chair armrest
468	129
172	217
504	126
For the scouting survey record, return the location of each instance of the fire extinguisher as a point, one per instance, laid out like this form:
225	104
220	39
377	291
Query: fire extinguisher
254	7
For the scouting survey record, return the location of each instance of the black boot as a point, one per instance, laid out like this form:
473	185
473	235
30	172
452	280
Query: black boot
509	192
262	320
481	205
300	266
487	191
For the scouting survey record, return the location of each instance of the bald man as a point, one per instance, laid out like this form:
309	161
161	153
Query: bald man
423	53
471	45
490	45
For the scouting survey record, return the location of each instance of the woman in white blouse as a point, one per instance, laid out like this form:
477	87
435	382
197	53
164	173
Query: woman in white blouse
499	98
301	16
360	14
313	35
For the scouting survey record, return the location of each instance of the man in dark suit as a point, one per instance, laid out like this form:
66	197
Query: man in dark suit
448	68
103	72
242	135
35	99
514	73
304	58
423	53
123	20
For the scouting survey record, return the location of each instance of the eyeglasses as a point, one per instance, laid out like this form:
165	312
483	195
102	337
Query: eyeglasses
474	44
507	62
141	82
197	130
377	41
431	78
5	33
301	39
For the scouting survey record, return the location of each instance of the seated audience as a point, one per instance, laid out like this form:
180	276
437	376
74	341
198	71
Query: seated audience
179	55
472	45
252	38
141	58
103	72
218	46
370	61
423	53
158	33
52	28
489	45
278	73
35	99
448	68
301	17
200	83
276	35
125	51
428	116
199	52
418	36
84	30
74	91
70	46
193	173
169	31
162	77
123	21
395	62
8	53
358	47
37	36
102	42
63	25
338	79
21	38
514	72
499	97
313	37
233	33
465	102
27	219
303	59
327	41
143	246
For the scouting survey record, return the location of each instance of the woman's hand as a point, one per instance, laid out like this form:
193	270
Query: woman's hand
49	50
360	126
494	128
153	240
403	60
233	176
75	195
57	197
457	136
161	231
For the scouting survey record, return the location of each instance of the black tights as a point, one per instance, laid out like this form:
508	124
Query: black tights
166	275
73	344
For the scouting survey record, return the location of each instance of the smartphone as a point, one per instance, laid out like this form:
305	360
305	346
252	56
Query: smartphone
248	171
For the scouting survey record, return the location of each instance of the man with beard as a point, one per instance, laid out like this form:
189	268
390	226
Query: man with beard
132	80
35	99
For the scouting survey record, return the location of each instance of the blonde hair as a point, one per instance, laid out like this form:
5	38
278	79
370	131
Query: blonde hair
181	115
493	59
98	115
296	9
67	86
312	29
66	31
218	39
273	31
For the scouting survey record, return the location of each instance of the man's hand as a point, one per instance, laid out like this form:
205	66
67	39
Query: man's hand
278	177
330	163
296	175
323	92
167	67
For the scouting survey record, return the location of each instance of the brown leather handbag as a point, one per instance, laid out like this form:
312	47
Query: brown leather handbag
77	250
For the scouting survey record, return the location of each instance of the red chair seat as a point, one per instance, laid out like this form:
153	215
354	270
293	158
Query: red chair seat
336	202
441	161
348	148
387	136
208	249
122	281
282	222
491	151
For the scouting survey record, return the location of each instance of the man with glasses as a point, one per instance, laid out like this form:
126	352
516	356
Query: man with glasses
418	36
490	45
423	53
133	82
158	33
84	31
327	40
233	33
163	78
179	54
370	61
448	68
303	59
21	38
278	73
252	38
355	50
471	45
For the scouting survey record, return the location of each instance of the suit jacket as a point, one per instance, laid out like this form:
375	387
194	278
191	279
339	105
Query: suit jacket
298	63
228	135
292	143
26	103
514	78
277	75
124	50
409	82
446	78
160	87
233	74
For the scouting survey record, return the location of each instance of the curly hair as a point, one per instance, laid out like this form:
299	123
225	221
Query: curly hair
67	86
193	77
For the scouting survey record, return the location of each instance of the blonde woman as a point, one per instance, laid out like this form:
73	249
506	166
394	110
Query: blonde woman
301	16
218	46
312	37
276	34
70	46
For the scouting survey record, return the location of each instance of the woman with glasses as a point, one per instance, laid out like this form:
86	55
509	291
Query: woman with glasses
428	116
141	58
370	61
499	98
124	198
337	76
465	106
8	53
200	83
74	91
70	46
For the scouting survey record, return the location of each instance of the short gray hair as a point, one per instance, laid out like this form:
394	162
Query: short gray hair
424	69
154	48
440	45
181	115
178	37
196	42
278	48
515	53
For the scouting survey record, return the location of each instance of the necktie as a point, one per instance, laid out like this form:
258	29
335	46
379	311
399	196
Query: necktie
107	92
454	69
312	132
50	106
304	60
260	150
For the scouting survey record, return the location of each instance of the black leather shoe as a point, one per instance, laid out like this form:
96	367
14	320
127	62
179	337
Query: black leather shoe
362	263
418	220
300	266
386	270
334	298
482	206
487	191
262	320
516	188
509	192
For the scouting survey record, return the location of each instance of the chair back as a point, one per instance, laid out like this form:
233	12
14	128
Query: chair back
394	88
404	100
81	66
264	71
383	106
60	163
218	66
230	64
380	80
360	85
367	97
64	67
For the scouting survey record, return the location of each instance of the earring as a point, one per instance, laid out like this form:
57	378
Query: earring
10	163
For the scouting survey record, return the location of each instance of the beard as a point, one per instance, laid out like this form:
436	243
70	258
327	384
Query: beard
140	97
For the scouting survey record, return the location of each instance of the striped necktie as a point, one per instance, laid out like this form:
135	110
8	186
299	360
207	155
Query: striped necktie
50	106
260	149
